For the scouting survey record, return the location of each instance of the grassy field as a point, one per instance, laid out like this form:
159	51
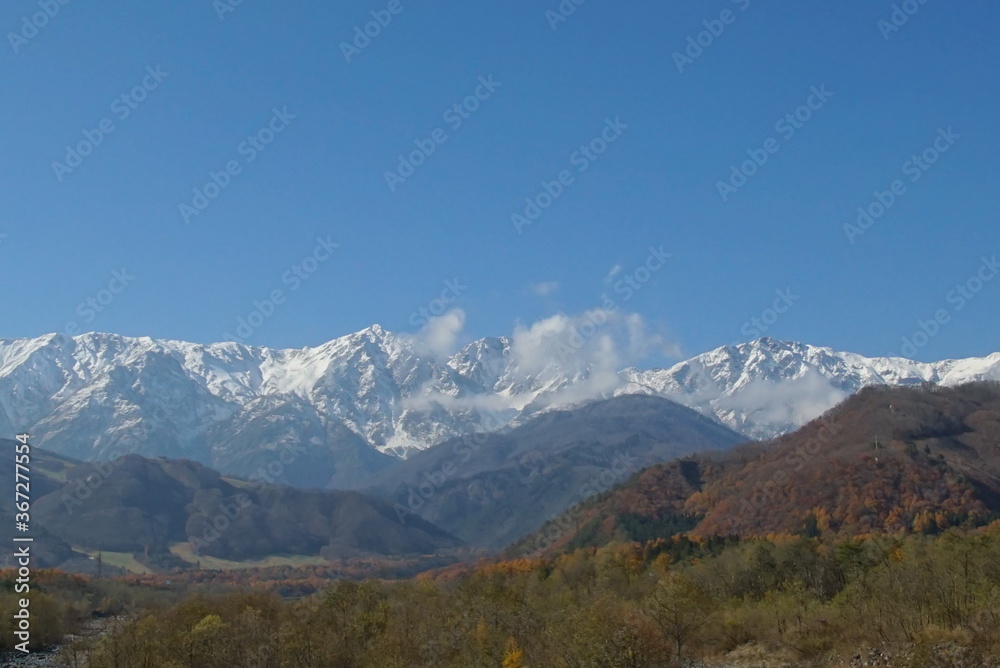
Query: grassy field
54	468
120	559
236	482
184	551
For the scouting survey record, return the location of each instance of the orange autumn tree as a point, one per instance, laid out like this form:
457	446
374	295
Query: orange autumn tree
513	655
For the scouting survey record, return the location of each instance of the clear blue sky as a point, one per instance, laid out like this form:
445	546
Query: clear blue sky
656	184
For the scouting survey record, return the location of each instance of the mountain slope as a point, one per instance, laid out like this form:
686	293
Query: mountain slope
149	507
47	472
492	489
885	460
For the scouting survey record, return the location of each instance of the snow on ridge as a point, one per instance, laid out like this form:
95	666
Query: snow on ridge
89	393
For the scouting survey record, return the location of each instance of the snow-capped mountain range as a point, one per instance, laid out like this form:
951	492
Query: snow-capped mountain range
98	396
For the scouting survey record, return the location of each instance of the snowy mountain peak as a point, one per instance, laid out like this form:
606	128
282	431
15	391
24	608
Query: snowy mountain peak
102	395
485	362
767	387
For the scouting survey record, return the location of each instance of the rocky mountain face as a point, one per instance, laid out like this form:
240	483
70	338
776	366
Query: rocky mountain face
767	388
358	403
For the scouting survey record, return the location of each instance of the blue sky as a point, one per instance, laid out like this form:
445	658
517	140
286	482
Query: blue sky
279	73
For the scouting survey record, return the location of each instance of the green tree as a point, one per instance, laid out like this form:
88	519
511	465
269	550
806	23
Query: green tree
680	608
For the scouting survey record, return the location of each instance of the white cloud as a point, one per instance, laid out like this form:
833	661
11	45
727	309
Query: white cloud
562	359
483	403
439	337
614	271
545	288
587	349
792	402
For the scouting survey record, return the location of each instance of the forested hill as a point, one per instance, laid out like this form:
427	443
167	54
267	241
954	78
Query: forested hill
886	460
161	514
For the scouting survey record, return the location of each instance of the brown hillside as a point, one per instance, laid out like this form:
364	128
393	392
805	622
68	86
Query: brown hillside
886	460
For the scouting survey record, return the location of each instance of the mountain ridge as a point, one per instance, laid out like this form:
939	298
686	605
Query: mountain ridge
493	489
360	401
175	511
